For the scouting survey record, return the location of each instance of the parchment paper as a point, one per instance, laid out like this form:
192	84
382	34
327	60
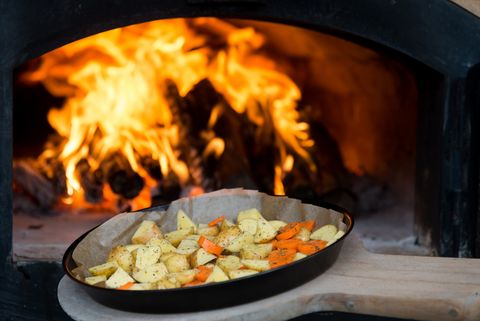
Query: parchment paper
94	248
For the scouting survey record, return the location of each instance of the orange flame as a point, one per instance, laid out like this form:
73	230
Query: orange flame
113	84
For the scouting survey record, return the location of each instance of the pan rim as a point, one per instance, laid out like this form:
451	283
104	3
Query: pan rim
347	219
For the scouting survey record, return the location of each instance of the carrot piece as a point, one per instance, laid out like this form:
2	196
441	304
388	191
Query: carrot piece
274	243
216	221
281	257
309	224
126	286
289	232
287	227
209	246
193	283
311	247
288	244
203	273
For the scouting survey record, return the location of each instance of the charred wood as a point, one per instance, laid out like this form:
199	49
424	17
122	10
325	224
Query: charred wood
189	143
28	179
52	167
152	167
331	173
123	180
200	101
168	190
91	182
231	169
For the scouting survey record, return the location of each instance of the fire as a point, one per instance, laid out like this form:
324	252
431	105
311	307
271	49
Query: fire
116	100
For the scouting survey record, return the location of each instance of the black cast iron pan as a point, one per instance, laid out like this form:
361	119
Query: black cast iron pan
215	295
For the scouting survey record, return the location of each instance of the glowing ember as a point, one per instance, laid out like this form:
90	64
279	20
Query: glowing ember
115	85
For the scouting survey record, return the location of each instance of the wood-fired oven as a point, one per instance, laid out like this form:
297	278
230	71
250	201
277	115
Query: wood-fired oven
386	90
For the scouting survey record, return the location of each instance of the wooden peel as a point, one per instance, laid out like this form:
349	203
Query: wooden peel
422	288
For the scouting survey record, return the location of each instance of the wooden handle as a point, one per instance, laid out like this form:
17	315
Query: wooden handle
424	288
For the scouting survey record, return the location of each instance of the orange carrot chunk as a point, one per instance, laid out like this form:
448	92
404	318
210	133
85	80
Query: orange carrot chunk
216	221
311	247
209	246
288	244
193	283
203	273
281	257
126	286
289	231
274	244
309	224
287	227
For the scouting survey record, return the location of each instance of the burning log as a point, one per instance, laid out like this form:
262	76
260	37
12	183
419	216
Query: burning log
152	167
51	167
91	181
28	179
123	180
168	190
231	169
189	144
199	102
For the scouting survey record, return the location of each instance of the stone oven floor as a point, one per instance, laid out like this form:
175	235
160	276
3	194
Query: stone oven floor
390	231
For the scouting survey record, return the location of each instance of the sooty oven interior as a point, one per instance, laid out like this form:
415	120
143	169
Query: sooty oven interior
370	105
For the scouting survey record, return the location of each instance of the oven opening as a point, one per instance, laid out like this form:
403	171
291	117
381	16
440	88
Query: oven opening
142	115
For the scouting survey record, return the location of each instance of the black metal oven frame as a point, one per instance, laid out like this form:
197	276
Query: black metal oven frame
437	35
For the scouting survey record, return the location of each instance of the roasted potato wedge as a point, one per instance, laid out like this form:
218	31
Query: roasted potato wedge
299	256
143	286
225	237
119	278
209	231
257	265
201	257
256	251
184	222
277	224
303	234
252	213
187	247
170	283
122	256
265	232
150	274
164	245
106	269
184	277
325	233
92	280
229	263
336	237
177	236
236	274
248	225
177	263
146	231
217	275
240	242
226	224
132	247
146	256
165	257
